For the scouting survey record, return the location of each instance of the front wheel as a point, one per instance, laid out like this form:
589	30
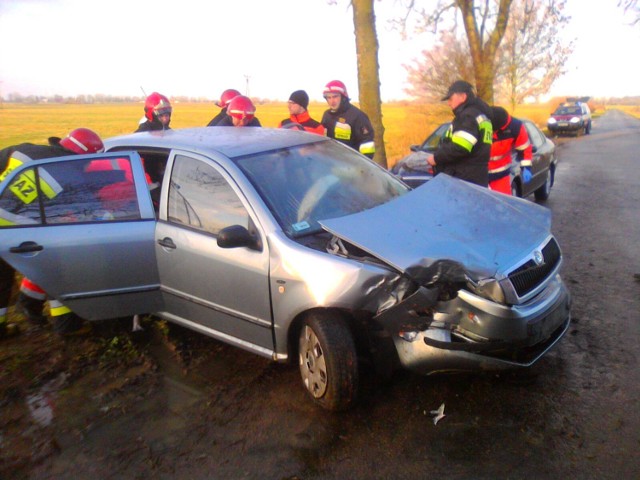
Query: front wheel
328	361
543	192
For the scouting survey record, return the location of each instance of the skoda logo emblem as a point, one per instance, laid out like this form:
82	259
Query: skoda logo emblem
538	258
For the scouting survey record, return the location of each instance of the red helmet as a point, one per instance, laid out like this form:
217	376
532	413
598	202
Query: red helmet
335	86
156	104
83	140
241	107
227	96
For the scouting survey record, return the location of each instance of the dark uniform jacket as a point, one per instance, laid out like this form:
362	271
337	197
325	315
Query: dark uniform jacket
34	152
152	126
218	118
351	126
464	152
227	122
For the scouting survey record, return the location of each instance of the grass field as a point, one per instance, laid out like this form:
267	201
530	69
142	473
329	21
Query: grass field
405	123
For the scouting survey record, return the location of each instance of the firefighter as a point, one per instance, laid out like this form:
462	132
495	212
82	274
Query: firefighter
298	114
31	298
464	152
240	113
509	137
345	122
157	114
223	103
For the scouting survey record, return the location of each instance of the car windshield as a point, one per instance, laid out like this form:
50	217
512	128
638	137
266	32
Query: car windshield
432	142
323	180
568	111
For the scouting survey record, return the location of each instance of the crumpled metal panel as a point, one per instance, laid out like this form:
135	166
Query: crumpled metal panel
447	227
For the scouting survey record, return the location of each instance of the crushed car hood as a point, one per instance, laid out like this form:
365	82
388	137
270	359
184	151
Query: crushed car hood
447	227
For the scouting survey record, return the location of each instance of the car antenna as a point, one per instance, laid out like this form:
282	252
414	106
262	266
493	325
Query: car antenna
143	92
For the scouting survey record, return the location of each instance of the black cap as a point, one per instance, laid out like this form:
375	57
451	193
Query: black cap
500	117
459	86
300	97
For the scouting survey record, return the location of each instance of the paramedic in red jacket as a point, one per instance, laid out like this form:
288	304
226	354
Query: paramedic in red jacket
509	138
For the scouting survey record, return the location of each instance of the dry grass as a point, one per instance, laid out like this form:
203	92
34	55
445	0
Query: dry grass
405	123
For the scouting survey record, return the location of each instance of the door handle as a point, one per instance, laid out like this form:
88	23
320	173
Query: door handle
167	243
27	247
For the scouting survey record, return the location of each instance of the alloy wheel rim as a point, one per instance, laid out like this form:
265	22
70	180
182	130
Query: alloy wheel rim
312	364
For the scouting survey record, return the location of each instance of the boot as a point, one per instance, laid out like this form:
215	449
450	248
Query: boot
31	308
70	324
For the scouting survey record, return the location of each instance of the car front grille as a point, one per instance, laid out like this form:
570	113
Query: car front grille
529	275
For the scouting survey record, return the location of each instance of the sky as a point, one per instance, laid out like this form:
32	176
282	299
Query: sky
264	48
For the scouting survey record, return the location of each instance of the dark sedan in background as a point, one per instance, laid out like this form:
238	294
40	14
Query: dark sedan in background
414	169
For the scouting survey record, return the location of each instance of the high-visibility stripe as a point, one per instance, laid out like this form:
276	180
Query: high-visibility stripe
367	148
24	186
464	139
56	308
484	124
15	161
500	169
524	146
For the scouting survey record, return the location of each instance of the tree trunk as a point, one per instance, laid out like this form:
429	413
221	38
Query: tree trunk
364	23
484	45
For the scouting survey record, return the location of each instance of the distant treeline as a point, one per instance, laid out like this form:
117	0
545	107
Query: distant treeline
82	99
100	98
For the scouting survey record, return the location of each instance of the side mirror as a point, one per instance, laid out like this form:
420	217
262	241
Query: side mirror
237	236
414	148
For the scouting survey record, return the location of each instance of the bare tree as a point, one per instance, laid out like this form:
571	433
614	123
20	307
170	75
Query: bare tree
439	67
532	57
485	25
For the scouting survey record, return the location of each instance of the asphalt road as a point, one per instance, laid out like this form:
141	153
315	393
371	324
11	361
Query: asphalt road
575	414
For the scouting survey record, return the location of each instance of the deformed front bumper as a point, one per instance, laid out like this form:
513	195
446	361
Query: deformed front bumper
470	333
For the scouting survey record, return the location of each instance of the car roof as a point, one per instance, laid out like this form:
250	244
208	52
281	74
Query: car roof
230	141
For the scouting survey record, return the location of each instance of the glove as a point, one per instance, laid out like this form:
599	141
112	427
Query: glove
526	174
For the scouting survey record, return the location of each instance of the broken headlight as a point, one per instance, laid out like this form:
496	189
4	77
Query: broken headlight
489	289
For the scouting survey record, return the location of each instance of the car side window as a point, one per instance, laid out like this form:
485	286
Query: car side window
201	198
534	136
73	191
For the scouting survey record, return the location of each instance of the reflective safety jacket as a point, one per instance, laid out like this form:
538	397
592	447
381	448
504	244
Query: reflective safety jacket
508	140
351	126
305	120
465	149
24	186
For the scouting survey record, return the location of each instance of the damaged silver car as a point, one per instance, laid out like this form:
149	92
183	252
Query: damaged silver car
294	247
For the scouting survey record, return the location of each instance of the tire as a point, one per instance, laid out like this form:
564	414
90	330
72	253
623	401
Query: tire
543	192
328	361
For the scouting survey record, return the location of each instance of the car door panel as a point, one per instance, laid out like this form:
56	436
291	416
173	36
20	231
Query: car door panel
221	289
206	287
91	245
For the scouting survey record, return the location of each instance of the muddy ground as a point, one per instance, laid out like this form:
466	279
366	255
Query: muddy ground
168	403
